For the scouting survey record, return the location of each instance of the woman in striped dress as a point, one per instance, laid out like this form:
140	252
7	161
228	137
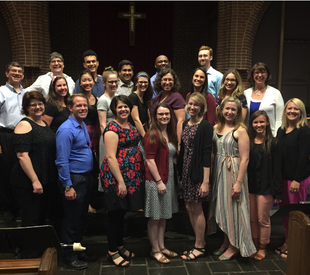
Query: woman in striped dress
230	196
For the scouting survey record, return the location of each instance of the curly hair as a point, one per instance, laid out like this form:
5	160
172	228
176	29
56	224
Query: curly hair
161	74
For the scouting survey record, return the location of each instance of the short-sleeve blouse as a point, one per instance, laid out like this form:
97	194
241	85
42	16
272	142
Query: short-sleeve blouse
103	104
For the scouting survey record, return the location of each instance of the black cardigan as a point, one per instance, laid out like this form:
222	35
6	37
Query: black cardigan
274	171
295	147
202	151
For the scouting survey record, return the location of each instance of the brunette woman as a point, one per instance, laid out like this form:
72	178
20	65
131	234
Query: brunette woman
294	136
141	97
264	179
199	84
264	97
161	198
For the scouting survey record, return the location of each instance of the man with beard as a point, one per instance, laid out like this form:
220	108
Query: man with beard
161	62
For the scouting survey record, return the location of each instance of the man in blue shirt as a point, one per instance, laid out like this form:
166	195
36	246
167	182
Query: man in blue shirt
11	97
205	55
74	162
91	63
161	62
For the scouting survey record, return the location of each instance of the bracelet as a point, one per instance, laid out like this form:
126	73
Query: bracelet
239	181
157	181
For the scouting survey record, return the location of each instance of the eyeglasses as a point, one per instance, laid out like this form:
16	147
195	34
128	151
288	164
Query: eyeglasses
258	73
56	61
112	81
33	105
230	79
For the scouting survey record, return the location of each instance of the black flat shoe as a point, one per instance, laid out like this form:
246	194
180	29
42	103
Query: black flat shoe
87	258
75	264
115	256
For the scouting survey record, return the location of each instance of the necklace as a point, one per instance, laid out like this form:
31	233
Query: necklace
195	123
259	92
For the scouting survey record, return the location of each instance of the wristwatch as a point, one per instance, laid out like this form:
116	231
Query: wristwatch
68	187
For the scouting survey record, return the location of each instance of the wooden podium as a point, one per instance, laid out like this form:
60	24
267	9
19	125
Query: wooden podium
42	239
298	258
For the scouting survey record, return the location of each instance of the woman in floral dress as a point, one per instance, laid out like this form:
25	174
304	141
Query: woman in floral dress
122	177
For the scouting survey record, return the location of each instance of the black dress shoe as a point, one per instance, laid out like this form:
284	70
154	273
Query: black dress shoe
87	258
75	264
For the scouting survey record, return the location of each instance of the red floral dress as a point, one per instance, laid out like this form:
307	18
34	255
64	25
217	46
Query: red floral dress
129	158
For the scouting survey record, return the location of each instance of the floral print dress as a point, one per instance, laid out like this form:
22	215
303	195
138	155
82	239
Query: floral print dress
129	158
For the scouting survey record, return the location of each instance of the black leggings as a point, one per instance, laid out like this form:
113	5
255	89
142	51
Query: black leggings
115	229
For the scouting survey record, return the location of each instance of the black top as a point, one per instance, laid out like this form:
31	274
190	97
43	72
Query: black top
40	143
58	117
142	109
295	147
264	172
92	115
202	151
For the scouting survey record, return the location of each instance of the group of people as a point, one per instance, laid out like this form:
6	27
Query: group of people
238	150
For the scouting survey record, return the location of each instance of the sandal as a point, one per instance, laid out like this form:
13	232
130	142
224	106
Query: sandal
122	252
259	256
188	254
163	259
170	253
284	254
224	258
112	258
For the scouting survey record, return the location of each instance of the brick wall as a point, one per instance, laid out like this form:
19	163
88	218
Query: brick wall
27	23
237	25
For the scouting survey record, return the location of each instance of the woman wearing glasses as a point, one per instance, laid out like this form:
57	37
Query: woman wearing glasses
264	97
232	86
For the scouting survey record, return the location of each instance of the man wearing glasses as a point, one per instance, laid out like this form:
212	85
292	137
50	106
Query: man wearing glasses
56	64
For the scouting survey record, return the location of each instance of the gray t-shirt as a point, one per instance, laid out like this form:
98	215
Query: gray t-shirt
103	104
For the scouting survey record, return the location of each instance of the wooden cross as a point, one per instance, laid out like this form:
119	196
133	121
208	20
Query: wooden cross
131	16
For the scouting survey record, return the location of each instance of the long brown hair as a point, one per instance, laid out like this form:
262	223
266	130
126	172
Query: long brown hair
268	139
155	127
239	87
52	96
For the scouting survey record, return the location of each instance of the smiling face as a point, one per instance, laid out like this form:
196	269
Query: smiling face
163	116
126	74
230	82
56	66
161	62
199	79
91	63
61	88
87	82
35	108
292	112
142	83
230	110
204	58
14	75
193	108
260	76
122	110
79	109
259	124
167	82
111	84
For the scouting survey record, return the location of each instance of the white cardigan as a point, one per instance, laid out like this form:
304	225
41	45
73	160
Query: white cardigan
272	103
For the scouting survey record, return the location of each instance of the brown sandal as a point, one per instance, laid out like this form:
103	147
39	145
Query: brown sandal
170	253
163	259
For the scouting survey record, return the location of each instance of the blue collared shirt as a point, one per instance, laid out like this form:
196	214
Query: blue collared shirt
214	81
73	152
98	89
152	79
10	106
